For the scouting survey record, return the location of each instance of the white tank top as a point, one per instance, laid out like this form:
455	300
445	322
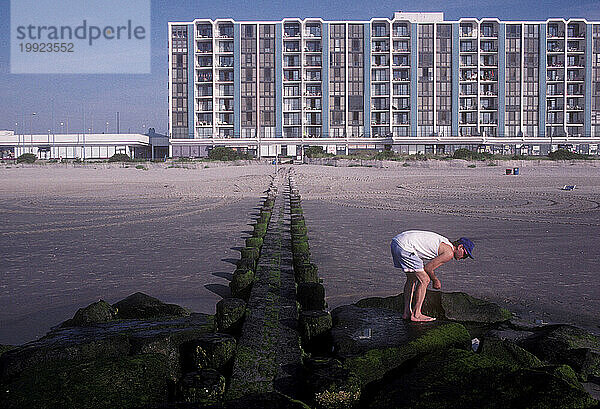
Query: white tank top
425	244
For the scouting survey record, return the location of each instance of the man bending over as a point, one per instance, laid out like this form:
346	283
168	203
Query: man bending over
409	250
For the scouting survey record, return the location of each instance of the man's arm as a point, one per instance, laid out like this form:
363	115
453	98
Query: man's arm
446	254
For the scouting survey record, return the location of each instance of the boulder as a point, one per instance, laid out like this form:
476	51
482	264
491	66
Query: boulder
565	344
241	283
110	340
265	400
315	329
205	387
250	252
230	315
260	229
209	351
300	247
357	330
455	306
462	307
376	363
459	378
264	217
306	273
120	382
142	306
254	242
330	385
95	313
508	352
311	296
6	348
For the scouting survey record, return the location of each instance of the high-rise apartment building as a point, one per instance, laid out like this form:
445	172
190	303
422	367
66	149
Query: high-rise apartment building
415	81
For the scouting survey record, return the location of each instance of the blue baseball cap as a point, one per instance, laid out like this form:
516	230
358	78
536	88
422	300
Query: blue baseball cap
468	245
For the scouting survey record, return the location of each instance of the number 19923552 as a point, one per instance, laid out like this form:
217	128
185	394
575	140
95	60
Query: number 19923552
46	47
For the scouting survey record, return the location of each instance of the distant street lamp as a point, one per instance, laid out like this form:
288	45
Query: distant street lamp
106	129
31	131
18	138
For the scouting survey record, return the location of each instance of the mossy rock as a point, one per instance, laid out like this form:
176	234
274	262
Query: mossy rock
330	385
246	263
230	315
374	364
455	306
265	400
205	387
250	252
300	247
254	242
299	259
264	217
124	382
260	229
6	348
459	378
565	344
95	313
311	296
298	231
298	222
306	273
142	306
296	210
315	327
209	351
508	353
241	283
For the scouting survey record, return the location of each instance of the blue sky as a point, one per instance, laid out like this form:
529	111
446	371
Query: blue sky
141	99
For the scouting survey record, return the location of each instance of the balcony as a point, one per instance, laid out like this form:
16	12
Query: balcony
381	49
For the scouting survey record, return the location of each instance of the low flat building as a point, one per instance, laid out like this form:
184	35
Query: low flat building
78	145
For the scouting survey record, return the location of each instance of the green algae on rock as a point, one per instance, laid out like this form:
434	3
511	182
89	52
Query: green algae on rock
456	306
374	364
241	283
104	383
204	387
142	306
230	314
460	378
95	313
565	344
509	353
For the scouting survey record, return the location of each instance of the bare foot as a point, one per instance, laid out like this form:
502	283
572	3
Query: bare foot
422	318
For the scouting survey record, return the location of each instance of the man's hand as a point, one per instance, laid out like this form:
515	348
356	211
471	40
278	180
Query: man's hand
436	283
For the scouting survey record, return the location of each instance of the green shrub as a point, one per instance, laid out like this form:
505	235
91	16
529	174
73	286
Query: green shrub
316	152
471	155
27	158
405	164
385	155
471	166
141	167
563	154
119	157
226	154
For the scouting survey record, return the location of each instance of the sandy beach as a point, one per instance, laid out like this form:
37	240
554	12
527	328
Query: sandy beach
536	245
73	235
